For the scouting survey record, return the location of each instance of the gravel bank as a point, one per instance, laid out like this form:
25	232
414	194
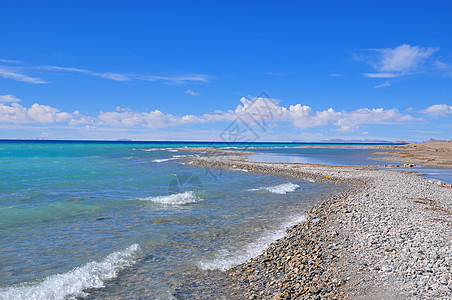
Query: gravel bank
423	154
389	237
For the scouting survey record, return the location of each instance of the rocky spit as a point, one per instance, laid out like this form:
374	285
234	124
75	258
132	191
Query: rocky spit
388	237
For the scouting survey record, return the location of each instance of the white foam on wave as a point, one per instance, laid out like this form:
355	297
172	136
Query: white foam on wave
160	149
280	188
159	160
228	258
74	283
181	155
175	199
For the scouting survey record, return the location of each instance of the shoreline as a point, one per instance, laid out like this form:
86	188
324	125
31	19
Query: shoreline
431	154
388	237
436	154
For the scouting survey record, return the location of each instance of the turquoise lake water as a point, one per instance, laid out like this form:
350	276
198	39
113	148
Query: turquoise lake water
130	220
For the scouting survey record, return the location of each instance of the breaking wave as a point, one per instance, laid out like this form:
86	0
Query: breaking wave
75	282
159	160
175	199
280	188
230	257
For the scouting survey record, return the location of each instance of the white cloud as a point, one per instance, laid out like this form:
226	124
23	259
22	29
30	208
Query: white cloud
112	76
179	79
303	116
399	61
153	119
351	121
384	84
14	113
9	61
176	79
9	98
403	58
106	75
79	119
14	75
191	93
442	65
264	112
382	75
438	110
336	75
36	114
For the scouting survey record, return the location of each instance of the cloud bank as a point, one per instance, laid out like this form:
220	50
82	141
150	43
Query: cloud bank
254	111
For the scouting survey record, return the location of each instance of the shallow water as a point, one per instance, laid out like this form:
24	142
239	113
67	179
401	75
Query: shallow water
327	156
443	174
122	220
340	157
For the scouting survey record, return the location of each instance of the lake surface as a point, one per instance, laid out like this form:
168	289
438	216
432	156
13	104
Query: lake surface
339	157
120	220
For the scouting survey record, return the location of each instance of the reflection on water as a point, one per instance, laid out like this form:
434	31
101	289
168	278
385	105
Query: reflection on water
339	156
328	156
443	174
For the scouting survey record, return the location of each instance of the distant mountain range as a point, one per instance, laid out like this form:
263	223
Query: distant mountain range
340	141
436	141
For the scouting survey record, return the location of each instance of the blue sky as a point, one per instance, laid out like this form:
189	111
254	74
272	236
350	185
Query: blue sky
186	70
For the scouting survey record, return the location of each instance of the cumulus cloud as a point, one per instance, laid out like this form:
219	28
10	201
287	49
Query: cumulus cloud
403	58
438	110
79	119
9	98
13	112
258	111
262	112
351	121
303	116
153	119
36	114
398	61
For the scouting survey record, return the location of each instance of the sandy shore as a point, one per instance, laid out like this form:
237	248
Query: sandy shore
388	237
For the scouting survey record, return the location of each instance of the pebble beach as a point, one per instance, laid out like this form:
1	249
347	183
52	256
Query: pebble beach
389	236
